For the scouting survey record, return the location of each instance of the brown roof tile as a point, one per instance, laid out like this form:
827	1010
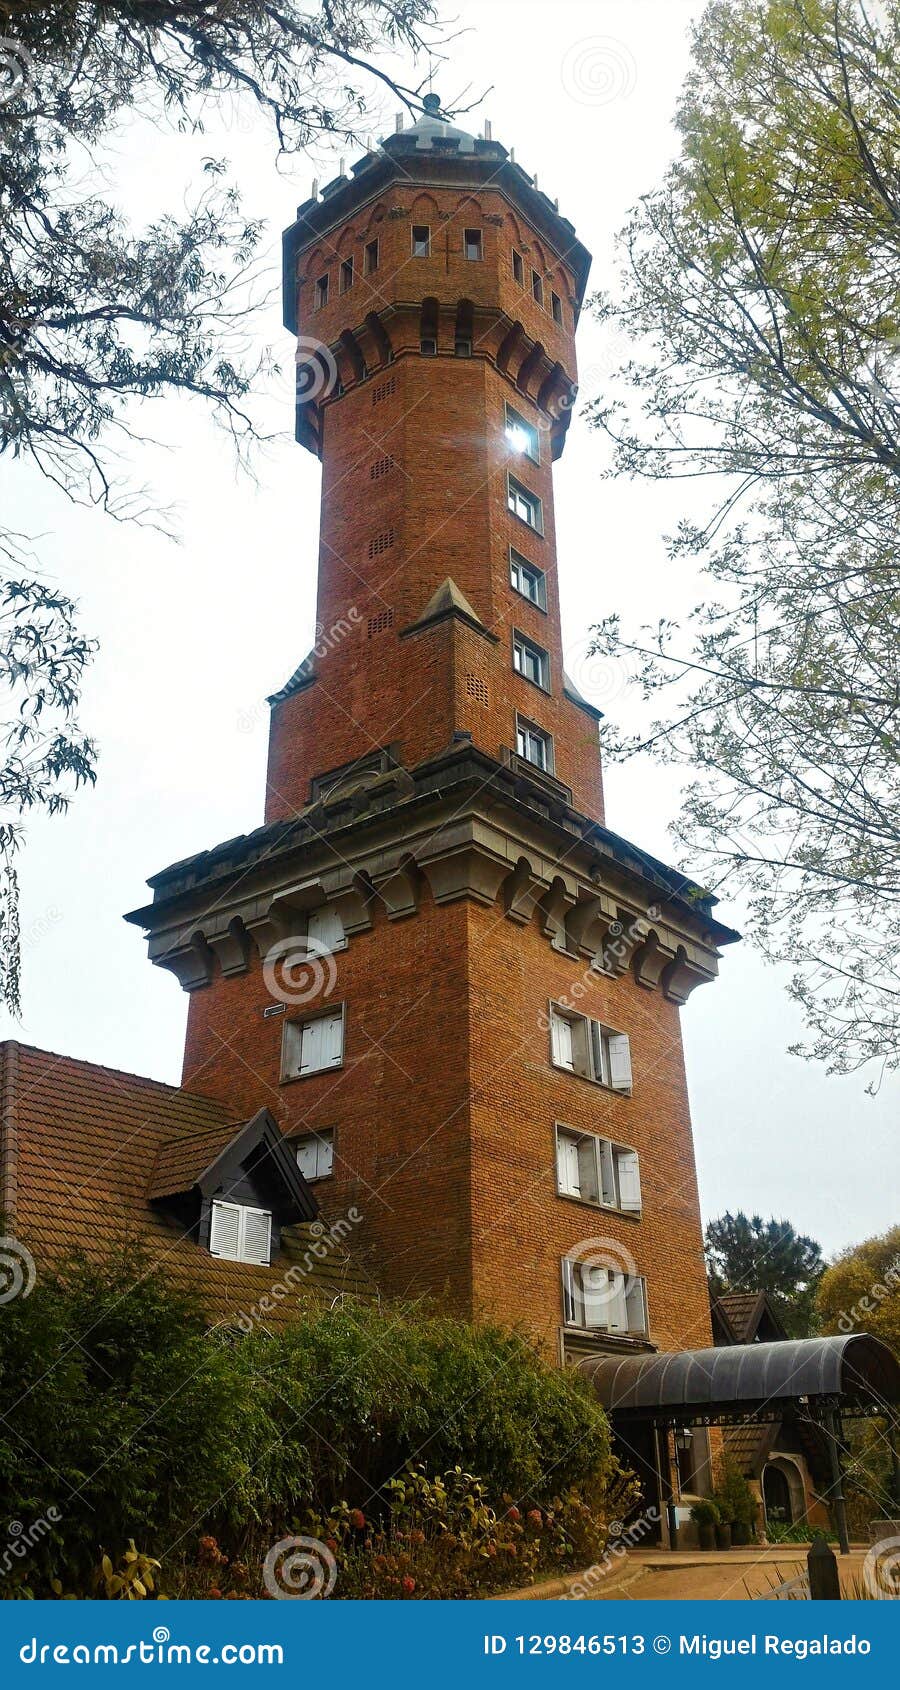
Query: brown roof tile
78	1145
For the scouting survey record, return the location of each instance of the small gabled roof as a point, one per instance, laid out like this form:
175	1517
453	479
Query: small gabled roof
209	1159
743	1313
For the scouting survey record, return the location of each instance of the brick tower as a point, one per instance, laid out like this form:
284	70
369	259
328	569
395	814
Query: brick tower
453	986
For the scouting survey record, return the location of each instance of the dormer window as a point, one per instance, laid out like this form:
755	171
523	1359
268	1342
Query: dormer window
238	1233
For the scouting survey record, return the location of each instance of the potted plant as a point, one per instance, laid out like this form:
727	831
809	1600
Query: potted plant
723	1534
736	1504
705	1516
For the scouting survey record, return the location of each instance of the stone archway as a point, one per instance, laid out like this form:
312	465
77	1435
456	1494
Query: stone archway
783	1490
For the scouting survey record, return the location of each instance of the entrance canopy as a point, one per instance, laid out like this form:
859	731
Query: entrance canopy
853	1373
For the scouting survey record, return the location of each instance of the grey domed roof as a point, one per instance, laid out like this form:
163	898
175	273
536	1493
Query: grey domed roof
432	132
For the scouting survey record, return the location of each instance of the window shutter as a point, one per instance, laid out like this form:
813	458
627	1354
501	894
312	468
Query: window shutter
325	1154
307	1157
596	1284
619	1062
333	1047
325	929
291	1048
257	1236
636	1305
629	1180
609	1194
567	1165
312	1045
225	1231
587	1169
570	1301
617	1310
561	1040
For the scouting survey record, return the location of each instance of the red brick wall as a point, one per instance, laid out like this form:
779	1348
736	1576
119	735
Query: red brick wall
388	540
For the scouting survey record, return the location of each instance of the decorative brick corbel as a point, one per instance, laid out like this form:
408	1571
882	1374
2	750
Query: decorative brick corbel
680	976
191	963
520	892
231	945
401	889
649	961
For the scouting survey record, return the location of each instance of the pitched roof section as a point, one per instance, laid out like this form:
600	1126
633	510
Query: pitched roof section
745	1312
79	1143
208	1161
448	600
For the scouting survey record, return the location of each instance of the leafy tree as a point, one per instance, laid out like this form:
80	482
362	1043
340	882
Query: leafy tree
761	281
755	1255
95	315
860	1291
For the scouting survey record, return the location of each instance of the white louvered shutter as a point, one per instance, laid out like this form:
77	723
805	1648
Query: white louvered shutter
587	1169
312	1044
325	1154
333	1047
225	1231
609	1194
324	930
257	1236
629	1180
619	1062
571	1314
636	1304
595	1284
569	1176
617	1310
561	1041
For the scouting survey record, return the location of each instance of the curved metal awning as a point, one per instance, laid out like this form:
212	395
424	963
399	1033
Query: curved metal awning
852	1371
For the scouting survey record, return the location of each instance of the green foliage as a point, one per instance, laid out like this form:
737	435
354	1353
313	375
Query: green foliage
760	285
705	1512
733	1496
127	1419
755	1255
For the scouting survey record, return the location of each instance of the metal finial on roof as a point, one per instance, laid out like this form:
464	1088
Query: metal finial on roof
431	103
487	129
398	122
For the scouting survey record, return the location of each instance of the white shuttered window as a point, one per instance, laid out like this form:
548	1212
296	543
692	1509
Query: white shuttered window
238	1233
597	1171
310	1046
588	1048
601	1299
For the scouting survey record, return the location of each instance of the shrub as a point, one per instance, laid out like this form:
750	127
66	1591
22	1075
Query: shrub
733	1496
129	1419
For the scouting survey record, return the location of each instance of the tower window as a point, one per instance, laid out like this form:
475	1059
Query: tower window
428	346
556	308
472	244
522	435
531	661
421	241
602	1299
311	1046
527	579
371	257
315	1154
597	1171
518	268
589	1049
526	506
537	288
534	745
240	1234
321	294
462	347
346	274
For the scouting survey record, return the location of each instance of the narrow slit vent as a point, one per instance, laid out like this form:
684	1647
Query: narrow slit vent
381	542
477	689
377	624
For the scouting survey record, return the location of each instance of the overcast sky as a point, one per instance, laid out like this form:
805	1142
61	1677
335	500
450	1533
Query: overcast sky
194	635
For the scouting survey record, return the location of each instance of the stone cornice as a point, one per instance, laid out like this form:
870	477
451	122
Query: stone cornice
466	827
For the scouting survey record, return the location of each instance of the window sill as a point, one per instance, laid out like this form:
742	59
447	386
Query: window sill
605	1208
313	1074
545	691
573	1073
526	600
608	1337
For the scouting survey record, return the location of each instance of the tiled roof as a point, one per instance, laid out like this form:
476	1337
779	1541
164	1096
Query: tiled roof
742	1310
77	1146
179	1162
